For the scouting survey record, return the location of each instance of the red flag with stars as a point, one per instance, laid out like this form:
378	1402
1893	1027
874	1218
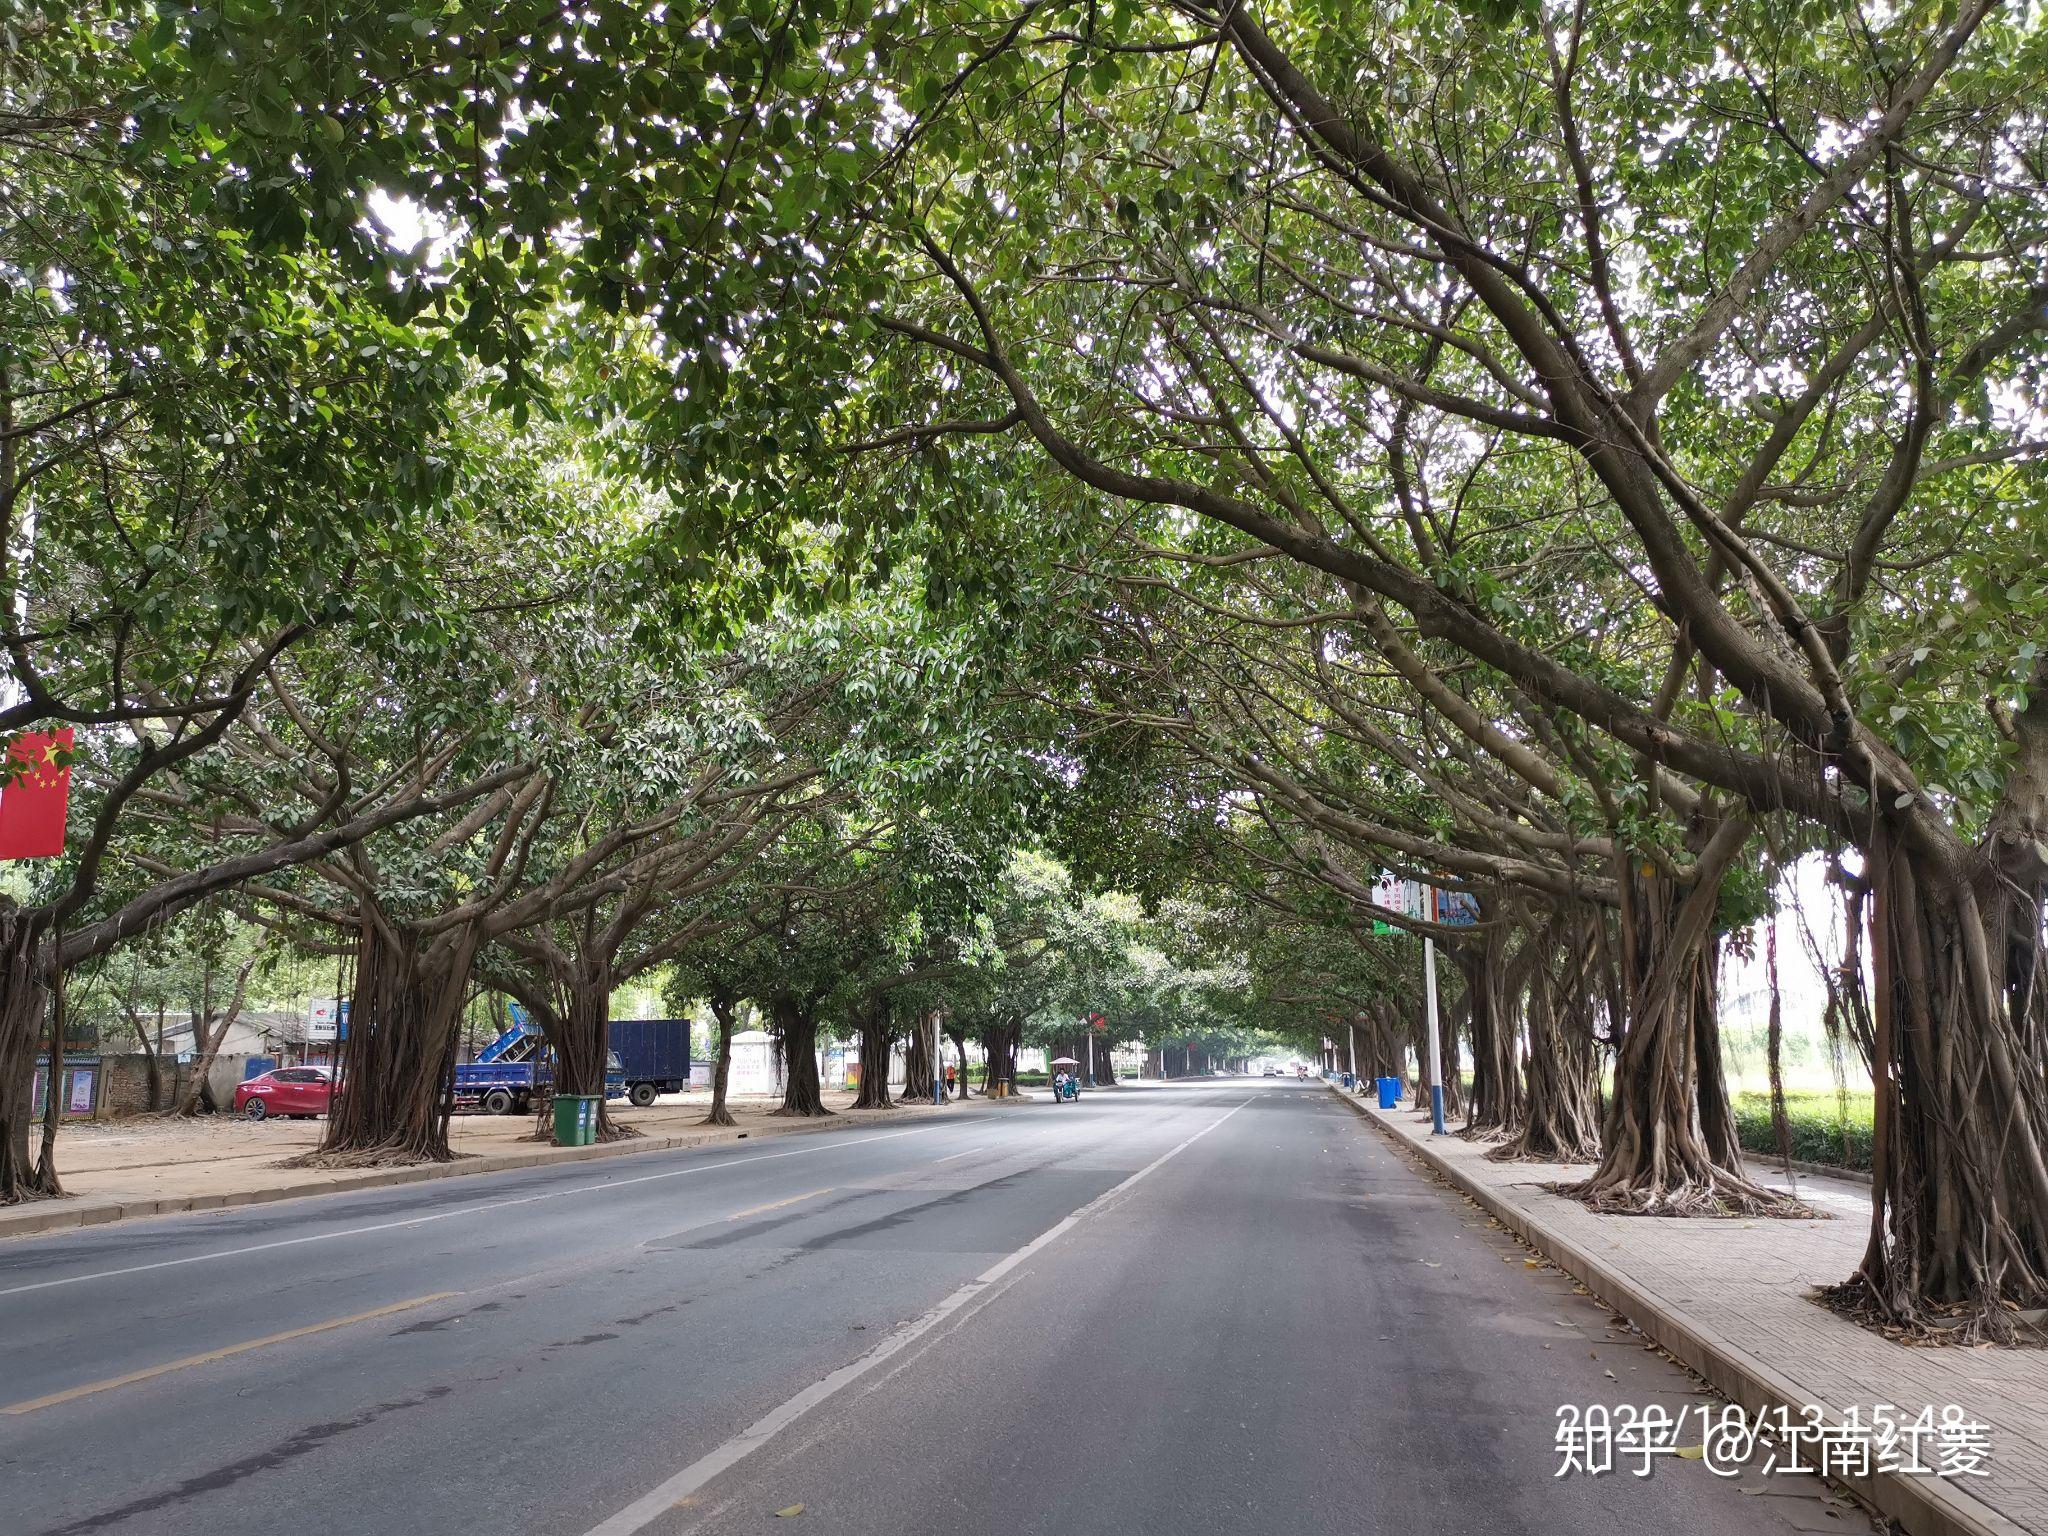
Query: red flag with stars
35	795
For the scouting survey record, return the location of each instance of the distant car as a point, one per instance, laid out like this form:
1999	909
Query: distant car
1270	1072
304	1091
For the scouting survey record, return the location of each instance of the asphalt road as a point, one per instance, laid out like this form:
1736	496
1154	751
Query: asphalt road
1223	1307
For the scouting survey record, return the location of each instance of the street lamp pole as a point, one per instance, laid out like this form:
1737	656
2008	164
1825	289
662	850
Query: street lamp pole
1436	1054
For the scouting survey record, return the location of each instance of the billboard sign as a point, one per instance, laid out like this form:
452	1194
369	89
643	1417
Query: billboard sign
327	1019
1457	909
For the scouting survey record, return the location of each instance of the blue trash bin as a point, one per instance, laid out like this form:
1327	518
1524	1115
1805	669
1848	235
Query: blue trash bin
1390	1092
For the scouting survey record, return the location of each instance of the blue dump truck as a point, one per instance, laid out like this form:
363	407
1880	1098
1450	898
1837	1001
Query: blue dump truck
653	1056
647	1057
517	1068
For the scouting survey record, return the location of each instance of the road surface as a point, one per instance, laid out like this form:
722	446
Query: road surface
1227	1306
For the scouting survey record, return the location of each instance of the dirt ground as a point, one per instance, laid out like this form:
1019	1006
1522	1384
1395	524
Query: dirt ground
145	1158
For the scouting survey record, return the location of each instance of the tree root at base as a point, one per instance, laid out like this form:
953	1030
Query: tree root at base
373	1157
1961	1324
1718	1196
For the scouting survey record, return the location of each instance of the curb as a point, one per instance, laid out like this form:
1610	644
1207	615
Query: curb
65	1215
1923	1506
1775	1164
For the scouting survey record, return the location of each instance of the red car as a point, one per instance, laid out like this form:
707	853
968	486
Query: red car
286	1091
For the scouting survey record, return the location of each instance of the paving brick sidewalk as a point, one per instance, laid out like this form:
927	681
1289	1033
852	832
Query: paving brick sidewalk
1739	1291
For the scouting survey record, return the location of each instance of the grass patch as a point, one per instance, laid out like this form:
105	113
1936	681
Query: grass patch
1821	1132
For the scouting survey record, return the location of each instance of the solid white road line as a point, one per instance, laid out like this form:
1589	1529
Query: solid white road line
958	1155
644	1511
829	1144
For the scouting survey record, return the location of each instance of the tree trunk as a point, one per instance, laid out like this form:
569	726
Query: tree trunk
152	1054
1959	1218
24	1002
1561	1073
796	1039
1104	1066
1447	1050
999	1076
959	1039
405	1019
1379	1048
209	1034
726	1011
53	1090
1496	1105
580	1033
1669	1141
991	1059
1774	1046
919	1066
877	1040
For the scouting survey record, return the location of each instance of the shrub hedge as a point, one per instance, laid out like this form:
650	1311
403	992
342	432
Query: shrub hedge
1821	1133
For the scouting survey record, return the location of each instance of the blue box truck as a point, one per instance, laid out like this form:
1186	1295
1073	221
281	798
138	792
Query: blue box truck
654	1056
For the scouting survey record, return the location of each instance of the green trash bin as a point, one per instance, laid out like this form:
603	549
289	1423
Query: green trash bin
576	1119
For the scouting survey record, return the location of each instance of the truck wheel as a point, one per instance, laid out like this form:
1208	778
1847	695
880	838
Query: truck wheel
642	1095
497	1102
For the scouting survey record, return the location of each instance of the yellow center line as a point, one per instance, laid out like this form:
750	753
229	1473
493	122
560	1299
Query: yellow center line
776	1205
69	1394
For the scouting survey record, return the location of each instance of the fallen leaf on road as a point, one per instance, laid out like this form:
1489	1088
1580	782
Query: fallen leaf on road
1610	1375
1532	1263
1692	1452
784	1514
1432	1263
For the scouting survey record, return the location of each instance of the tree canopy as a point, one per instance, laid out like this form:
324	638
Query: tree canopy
987	516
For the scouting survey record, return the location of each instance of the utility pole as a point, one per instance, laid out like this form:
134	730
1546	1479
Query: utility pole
939	1064
1436	1053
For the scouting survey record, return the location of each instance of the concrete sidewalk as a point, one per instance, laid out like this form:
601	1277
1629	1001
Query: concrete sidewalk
125	1169
1732	1299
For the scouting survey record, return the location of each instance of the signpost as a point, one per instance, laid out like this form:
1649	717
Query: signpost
1411	898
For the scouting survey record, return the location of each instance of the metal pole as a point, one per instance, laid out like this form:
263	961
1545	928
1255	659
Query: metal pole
1436	1054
